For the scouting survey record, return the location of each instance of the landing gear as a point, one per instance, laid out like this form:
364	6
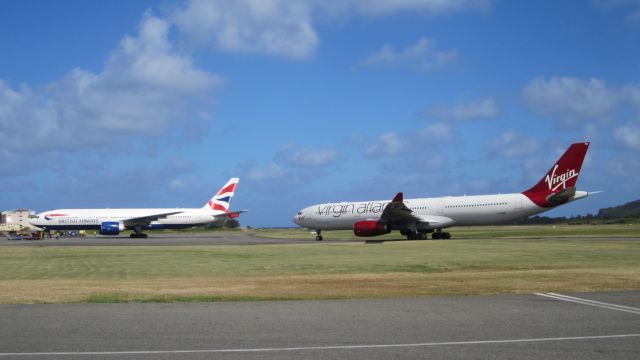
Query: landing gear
439	234
137	232
318	236
413	235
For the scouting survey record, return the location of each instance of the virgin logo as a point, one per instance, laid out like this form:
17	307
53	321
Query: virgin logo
556	181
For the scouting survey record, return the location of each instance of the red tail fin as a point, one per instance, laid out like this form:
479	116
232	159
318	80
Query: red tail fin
562	176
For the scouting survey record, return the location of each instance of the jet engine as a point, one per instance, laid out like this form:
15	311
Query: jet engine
111	228
370	228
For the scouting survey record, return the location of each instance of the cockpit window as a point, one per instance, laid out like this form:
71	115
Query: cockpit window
299	212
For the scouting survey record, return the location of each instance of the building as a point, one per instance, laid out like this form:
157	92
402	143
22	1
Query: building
16	220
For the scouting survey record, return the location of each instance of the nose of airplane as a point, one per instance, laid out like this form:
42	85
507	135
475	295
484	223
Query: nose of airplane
297	217
34	220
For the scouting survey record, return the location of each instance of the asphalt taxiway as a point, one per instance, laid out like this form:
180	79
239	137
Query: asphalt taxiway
160	239
530	326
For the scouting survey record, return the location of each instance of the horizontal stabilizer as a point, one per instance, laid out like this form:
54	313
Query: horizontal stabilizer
231	214
562	196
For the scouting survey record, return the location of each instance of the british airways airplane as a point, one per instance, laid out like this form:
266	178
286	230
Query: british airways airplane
415	218
113	221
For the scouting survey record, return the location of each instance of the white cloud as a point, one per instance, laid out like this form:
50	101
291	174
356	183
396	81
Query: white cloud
291	166
629	5
436	132
481	109
629	136
421	57
288	27
388	144
384	7
144	88
512	144
275	27
632	94
312	157
633	18
570	99
272	172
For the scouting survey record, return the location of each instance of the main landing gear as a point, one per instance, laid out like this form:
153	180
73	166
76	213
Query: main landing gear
414	235
439	234
318	236
137	232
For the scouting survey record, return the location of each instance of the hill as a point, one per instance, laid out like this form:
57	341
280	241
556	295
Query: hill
620	211
611	215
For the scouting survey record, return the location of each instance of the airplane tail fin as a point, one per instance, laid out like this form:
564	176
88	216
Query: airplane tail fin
558	186
221	201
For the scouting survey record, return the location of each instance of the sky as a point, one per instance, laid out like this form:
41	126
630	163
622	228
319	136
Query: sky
157	104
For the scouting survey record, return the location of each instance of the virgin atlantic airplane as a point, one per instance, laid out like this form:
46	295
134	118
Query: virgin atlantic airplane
415	218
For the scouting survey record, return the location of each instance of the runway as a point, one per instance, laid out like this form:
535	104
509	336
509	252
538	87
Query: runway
531	326
160	239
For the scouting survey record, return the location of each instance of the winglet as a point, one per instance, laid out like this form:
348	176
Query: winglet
398	197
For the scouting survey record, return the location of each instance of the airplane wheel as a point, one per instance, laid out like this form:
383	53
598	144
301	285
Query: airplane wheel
436	235
421	236
446	235
318	238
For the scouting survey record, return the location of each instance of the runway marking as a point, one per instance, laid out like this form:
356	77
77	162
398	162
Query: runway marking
582	301
330	347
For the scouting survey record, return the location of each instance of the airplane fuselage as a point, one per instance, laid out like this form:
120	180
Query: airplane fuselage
91	219
461	210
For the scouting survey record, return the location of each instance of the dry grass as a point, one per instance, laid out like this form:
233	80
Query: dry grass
315	271
331	286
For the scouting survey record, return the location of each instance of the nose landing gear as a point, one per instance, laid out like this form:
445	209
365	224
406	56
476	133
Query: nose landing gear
318	236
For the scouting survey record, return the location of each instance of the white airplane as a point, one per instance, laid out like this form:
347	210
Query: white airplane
113	221
417	217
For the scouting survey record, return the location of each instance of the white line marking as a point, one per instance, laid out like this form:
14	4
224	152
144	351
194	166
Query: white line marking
330	347
598	302
604	305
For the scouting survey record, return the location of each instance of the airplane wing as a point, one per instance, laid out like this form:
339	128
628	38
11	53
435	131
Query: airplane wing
397	212
435	221
145	220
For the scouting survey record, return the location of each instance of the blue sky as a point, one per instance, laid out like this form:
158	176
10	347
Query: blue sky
147	104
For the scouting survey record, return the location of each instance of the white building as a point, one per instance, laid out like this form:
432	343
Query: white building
16	220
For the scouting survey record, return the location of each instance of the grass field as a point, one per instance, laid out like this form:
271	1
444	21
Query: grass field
316	270
466	232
